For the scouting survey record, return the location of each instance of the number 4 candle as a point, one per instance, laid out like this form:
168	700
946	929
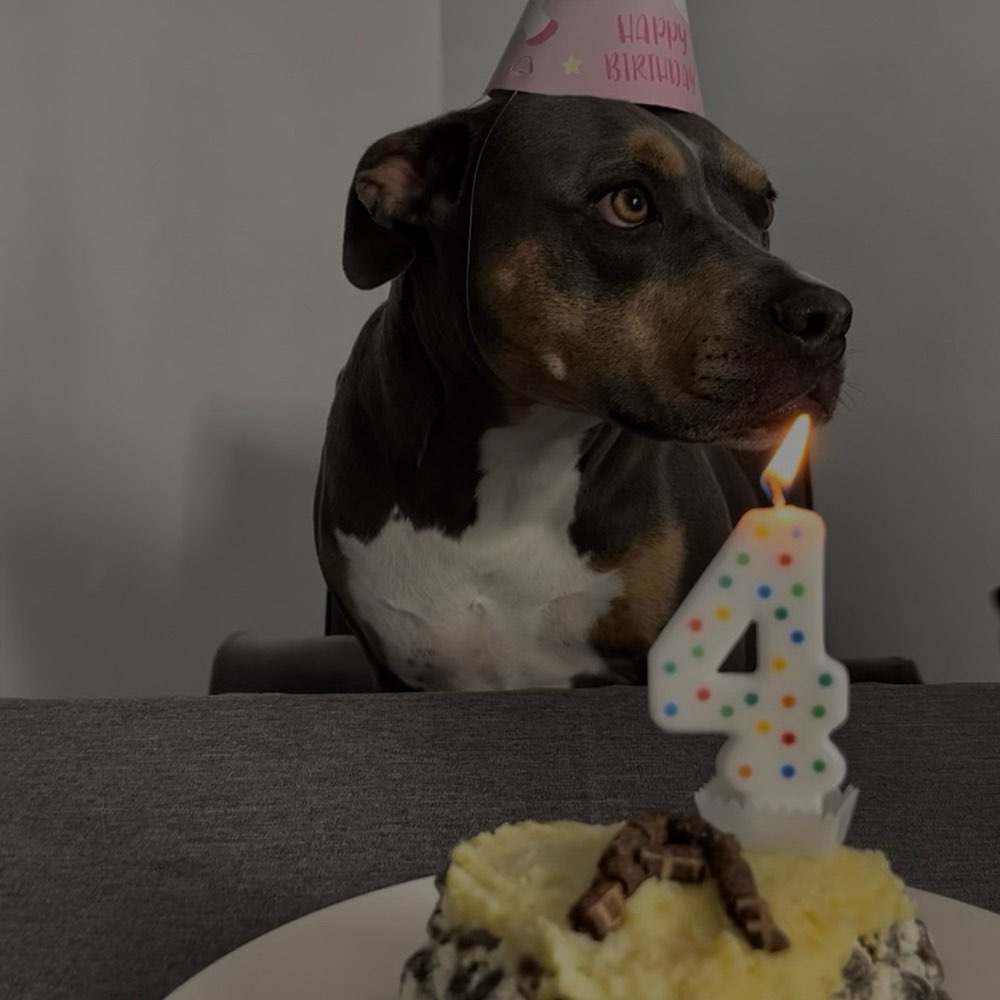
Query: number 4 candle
779	773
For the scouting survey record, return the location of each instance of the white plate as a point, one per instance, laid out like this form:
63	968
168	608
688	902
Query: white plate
356	949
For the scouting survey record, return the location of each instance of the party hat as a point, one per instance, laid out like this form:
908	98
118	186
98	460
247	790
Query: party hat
631	50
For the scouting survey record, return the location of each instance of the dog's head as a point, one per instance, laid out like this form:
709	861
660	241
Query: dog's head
616	260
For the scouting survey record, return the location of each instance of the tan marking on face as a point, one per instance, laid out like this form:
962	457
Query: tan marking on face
527	308
650	572
516	267
555	365
645	334
659	151
741	166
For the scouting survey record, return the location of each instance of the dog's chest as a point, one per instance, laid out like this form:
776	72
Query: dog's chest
510	602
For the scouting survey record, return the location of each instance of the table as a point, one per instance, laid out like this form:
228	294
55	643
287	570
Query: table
142	840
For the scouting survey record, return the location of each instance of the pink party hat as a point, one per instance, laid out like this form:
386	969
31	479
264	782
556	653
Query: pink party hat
631	50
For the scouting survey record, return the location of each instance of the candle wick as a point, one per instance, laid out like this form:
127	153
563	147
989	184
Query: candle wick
774	488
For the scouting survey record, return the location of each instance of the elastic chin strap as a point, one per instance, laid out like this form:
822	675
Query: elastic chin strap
472	212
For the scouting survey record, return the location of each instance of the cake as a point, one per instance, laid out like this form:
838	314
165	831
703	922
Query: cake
665	908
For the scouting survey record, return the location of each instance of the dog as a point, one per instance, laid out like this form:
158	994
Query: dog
545	433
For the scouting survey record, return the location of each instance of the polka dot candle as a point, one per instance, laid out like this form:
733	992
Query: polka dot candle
779	719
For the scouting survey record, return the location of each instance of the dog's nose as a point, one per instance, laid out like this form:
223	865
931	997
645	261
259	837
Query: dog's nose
818	316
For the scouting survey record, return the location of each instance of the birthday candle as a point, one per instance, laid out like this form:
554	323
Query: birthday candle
779	719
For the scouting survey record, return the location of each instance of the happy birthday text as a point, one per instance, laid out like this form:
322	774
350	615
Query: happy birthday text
643	29
658	33
631	66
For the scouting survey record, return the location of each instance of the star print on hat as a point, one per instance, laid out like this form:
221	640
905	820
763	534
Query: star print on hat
630	50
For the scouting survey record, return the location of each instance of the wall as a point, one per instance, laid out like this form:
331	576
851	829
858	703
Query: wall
878	125
172	316
475	34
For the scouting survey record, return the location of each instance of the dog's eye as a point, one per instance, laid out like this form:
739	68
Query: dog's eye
765	236
770	197
626	208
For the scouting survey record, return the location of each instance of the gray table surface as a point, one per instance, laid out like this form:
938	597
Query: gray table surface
141	840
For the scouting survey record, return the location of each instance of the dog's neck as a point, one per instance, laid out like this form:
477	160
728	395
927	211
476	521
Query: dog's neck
531	469
424	350
437	425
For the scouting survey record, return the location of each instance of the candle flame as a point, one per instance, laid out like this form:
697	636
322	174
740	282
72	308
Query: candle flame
787	459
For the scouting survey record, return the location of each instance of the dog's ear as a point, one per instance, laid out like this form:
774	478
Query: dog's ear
406	182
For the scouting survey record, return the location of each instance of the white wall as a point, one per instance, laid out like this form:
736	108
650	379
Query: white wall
173	316
879	124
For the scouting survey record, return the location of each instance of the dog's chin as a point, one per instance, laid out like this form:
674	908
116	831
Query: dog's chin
745	431
753	439
760	433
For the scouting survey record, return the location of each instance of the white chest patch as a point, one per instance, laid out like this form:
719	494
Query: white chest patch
510	603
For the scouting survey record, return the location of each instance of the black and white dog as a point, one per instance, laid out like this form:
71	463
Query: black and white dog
543	436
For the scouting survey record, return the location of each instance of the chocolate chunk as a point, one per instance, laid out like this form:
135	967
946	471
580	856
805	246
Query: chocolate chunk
620	873
752	916
620	859
858	972
485	988
754	920
773	938
629	838
420	964
461	982
599	909
684	863
915	988
927	954
722	845
530	973
682	848
678	862
890	963
474	980
475	937
653	825
653	860
687	830
622	862
872	945
739	893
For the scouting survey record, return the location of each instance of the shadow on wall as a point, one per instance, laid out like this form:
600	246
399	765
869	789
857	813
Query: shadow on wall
132	625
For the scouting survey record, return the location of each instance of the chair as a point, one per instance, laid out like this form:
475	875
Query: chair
337	662
250	663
